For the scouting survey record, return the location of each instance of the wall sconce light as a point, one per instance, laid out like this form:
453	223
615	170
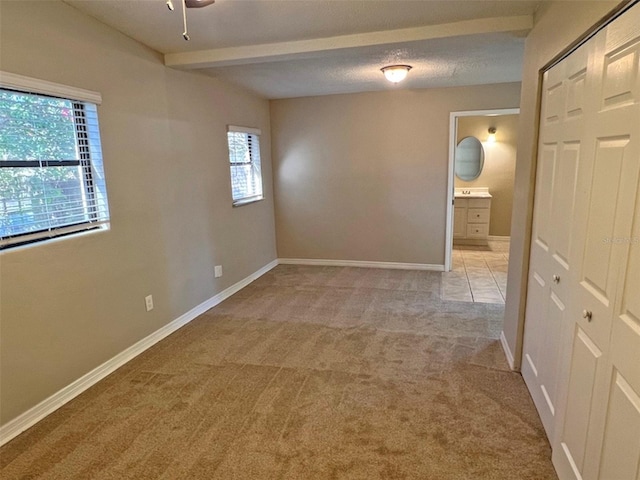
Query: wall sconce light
396	73
492	135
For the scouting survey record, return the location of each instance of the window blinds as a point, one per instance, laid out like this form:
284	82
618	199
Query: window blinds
244	158
51	172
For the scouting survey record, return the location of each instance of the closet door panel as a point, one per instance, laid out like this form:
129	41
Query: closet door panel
621	442
621	445
563	202
598	273
599	416
586	361
576	87
606	309
621	85
554	99
559	160
626	326
544	197
550	353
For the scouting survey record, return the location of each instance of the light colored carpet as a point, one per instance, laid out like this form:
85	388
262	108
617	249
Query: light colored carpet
308	373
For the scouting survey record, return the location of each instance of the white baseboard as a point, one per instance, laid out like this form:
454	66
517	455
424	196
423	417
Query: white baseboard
362	264
29	418
507	351
499	238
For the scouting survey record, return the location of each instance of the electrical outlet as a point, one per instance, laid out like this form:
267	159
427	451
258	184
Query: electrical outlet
218	271
148	301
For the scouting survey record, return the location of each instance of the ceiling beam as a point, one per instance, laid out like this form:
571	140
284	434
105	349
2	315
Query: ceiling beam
269	52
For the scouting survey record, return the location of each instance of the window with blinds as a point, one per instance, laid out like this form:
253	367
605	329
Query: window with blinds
244	158
51	174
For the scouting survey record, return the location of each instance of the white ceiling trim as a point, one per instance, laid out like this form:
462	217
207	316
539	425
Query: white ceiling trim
249	54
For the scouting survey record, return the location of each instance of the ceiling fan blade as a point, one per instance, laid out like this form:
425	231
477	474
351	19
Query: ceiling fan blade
198	3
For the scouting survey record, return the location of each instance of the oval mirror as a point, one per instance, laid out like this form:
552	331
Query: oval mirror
469	159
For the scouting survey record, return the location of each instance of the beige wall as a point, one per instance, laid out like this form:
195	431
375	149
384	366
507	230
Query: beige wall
364	176
556	26
70	305
499	165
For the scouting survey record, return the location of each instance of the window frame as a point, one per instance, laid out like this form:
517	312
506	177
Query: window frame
89	153
249	131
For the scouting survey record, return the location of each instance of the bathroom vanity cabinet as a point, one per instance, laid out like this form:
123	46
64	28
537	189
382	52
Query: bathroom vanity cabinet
472	212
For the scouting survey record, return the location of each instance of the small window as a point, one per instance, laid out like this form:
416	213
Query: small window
244	157
51	175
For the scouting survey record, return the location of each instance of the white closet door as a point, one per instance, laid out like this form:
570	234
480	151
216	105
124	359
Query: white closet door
621	440
550	267
600	425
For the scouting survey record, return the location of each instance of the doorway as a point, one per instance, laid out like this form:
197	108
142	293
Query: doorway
479	205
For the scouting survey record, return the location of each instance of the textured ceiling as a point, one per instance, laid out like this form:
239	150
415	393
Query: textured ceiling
332	46
466	60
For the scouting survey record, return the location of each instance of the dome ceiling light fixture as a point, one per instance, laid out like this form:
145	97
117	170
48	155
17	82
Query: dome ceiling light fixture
188	4
396	73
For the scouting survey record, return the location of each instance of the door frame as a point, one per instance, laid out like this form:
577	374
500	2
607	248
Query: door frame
453	133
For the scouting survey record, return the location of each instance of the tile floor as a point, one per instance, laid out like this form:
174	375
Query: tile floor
479	273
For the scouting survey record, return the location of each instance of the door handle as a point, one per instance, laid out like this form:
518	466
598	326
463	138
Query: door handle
588	314
556	279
